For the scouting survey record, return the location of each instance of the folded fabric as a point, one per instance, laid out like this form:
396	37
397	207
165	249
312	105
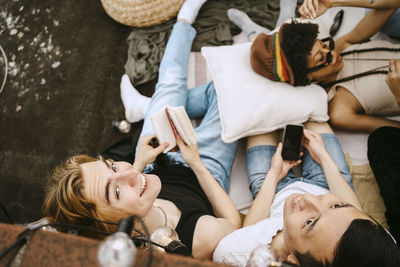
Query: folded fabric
147	45
250	104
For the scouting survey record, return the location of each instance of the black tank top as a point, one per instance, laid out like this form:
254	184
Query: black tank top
180	186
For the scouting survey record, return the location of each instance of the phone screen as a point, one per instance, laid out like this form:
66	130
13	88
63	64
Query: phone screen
292	142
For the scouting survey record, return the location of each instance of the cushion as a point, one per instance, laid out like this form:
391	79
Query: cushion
367	191
250	104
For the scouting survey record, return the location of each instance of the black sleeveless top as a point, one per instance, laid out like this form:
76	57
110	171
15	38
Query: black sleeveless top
180	186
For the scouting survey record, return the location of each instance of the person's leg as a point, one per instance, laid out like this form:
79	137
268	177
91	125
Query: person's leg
287	11
312	171
216	155
384	158
260	149
171	88
392	26
189	10
135	104
250	28
346	113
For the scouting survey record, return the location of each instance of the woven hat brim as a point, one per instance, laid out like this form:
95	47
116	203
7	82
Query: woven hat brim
141	13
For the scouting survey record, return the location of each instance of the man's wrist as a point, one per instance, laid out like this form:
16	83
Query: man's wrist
325	160
274	175
196	164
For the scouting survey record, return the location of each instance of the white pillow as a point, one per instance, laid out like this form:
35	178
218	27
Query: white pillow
250	104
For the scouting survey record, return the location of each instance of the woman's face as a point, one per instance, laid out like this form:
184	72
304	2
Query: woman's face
315	224
317	57
118	190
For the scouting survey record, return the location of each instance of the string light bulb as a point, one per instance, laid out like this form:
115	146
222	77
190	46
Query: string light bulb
163	235
123	126
117	250
262	256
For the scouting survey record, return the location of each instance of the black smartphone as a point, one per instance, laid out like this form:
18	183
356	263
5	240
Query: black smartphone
292	142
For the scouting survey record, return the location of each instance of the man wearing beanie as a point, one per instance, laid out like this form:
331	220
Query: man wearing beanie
283	56
359	87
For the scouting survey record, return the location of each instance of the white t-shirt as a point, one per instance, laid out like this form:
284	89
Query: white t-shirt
235	248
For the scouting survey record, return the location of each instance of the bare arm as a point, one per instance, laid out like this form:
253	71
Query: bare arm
367	27
260	209
222	204
315	8
375	4
393	78
337	184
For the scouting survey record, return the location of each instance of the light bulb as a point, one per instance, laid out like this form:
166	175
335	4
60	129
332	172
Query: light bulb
117	250
123	126
261	256
163	236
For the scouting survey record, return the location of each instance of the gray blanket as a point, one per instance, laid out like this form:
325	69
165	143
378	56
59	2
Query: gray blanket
147	45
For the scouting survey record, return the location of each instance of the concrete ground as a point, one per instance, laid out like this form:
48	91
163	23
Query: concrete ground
65	61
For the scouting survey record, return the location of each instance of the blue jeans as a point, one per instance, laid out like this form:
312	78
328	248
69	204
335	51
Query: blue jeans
259	163
201	101
392	26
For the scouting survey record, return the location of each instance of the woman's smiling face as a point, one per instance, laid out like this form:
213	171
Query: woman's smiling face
315	224
118	190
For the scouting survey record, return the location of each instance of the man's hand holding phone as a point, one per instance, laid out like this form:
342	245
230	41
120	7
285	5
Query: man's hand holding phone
279	166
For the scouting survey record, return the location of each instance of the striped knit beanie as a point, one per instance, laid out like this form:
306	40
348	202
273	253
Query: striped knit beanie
268	59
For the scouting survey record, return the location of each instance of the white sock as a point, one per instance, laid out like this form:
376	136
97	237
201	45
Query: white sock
135	103
249	27
190	9
287	11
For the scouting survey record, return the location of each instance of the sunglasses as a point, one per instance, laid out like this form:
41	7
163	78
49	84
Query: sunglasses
328	55
337	22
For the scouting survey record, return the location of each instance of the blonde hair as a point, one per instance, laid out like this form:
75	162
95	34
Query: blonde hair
64	202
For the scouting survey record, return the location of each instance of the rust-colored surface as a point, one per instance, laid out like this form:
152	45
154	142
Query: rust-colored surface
58	249
8	234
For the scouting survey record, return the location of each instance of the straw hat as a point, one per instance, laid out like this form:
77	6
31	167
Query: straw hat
141	13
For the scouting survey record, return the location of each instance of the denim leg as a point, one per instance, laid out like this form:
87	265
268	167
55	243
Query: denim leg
258	159
392	26
259	162
216	155
171	88
312	171
198	100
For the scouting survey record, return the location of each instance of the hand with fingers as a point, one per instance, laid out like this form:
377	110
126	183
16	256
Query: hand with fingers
146	153
312	9
279	166
190	153
315	145
393	78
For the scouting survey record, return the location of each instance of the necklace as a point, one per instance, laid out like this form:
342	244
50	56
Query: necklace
163	212
163	235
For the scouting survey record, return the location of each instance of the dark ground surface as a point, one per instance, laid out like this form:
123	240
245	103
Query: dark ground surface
66	59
